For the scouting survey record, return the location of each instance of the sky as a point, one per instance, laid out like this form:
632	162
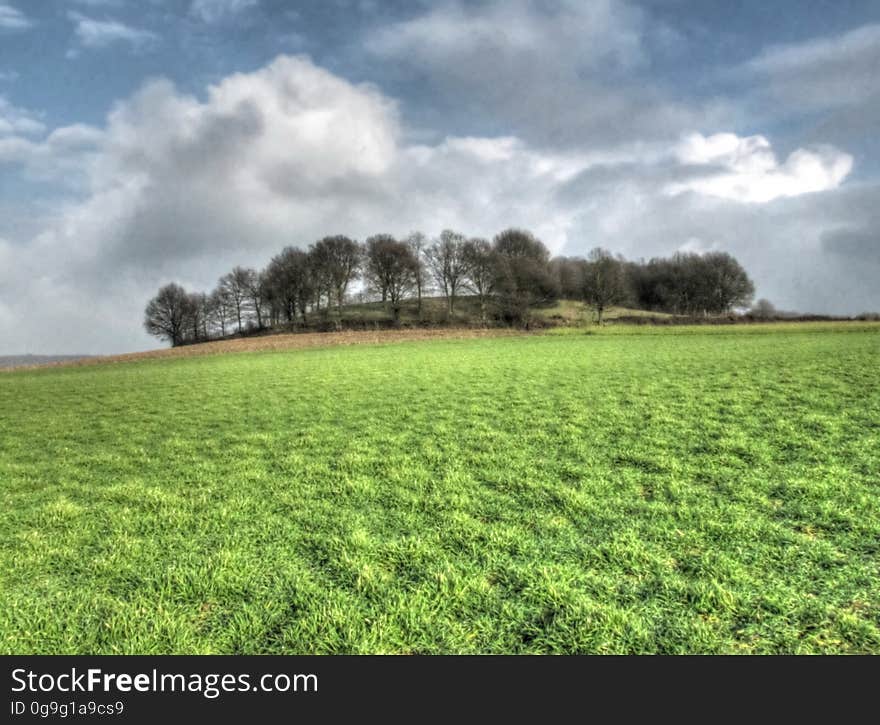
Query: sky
148	141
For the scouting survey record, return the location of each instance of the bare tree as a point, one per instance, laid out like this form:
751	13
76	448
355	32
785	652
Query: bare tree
220	309
482	272
569	273
728	285
165	315
338	260
288	279
321	287
378	263
524	279
521	244
391	269
195	327
605	282
305	290
235	286
256	289
417	243
446	260
691	283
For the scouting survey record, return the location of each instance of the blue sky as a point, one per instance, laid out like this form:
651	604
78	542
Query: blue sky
169	139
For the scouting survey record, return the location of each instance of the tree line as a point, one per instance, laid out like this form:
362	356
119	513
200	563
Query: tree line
507	277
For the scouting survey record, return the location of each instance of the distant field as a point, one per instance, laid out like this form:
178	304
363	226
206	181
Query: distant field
278	342
12	361
628	490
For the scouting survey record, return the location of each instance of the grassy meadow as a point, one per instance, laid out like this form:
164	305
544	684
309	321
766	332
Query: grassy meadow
712	489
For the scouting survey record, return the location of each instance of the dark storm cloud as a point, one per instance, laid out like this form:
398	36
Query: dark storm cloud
564	74
860	245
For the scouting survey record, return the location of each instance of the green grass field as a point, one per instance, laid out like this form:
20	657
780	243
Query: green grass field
628	490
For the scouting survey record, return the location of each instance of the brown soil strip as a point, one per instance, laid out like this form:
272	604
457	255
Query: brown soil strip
286	341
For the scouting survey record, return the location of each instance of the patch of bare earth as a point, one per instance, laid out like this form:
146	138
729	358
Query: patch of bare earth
285	341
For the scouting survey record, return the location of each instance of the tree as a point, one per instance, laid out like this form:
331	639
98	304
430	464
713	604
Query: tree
378	262
445	259
605	281
481	263
307	284
642	281
195	317
763	309
390	269
417	244
219	309
256	289
289	284
728	284
165	315
690	283
235	286
569	274
337	260
524	278
521	244
321	287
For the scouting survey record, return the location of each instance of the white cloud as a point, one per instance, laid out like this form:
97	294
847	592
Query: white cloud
212	11
14	120
13	19
93	33
746	169
63	158
177	187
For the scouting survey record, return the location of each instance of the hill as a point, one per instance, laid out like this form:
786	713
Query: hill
364	323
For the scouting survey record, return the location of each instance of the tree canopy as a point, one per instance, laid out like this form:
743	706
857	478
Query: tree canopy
509	277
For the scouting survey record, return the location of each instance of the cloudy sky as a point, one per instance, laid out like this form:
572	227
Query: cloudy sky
144	141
